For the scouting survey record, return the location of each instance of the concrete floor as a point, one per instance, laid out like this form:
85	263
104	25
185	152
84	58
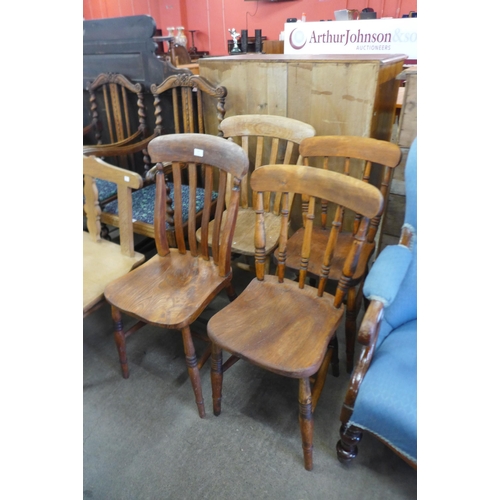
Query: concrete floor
143	438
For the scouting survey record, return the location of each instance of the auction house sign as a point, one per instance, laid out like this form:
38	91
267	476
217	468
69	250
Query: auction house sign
366	36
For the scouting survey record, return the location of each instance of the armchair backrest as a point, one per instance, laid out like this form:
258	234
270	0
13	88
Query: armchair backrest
404	307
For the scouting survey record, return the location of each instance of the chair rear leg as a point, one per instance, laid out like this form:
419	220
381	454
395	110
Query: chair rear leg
231	292
306	421
120	340
194	372
216	377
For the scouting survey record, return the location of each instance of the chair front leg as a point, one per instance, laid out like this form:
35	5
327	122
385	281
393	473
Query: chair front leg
216	377
350	327
194	372
306	421
120	340
347	446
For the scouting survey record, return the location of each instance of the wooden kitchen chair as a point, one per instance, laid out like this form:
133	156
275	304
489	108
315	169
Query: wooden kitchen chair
267	139
104	261
180	98
285	326
352	156
173	288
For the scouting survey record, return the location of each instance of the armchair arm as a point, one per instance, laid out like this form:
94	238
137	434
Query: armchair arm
95	167
387	274
116	149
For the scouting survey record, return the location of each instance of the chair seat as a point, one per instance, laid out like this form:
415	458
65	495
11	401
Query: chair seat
386	404
143	203
106	190
103	262
168	291
320	239
244	233
285	340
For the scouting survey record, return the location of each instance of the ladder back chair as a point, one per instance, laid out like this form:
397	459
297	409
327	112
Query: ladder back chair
356	157
104	261
267	139
189	94
282	325
174	287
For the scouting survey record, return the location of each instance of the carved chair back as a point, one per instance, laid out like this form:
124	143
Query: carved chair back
118	113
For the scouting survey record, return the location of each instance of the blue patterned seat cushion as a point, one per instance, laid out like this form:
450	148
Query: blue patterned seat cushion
106	189
143	203
387	400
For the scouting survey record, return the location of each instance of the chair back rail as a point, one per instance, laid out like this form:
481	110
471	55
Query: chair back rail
209	152
316	184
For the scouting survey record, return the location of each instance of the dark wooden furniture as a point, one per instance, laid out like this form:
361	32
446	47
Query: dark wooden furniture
281	325
124	45
173	288
266	139
382	394
181	101
351	156
104	261
118	121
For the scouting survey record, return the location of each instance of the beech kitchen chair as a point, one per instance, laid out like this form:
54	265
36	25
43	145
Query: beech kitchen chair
282	325
356	157
267	139
382	395
104	261
174	287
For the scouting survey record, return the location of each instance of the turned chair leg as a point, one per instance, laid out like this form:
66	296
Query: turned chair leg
120	340
335	356
231	292
306	421
347	446
216	377
194	372
350	328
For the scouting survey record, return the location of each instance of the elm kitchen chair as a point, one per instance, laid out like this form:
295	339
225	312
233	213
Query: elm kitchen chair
282	325
267	139
356	157
174	287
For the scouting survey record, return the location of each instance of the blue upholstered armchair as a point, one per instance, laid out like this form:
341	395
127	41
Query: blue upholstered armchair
382	395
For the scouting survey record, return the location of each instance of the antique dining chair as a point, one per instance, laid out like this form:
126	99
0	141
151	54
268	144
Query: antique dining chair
382	395
118	121
104	261
181	98
173	288
360	157
267	139
282	325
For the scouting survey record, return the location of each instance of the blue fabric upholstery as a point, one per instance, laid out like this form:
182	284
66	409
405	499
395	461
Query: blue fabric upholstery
387	400
143	201
106	189
386	404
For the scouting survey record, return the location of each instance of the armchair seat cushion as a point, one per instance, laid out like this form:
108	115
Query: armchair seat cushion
143	202
386	404
106	190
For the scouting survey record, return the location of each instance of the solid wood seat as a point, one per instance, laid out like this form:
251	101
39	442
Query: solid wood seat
276	340
104	261
285	326
267	139
174	287
372	161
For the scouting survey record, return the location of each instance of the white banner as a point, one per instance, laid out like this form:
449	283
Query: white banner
366	36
